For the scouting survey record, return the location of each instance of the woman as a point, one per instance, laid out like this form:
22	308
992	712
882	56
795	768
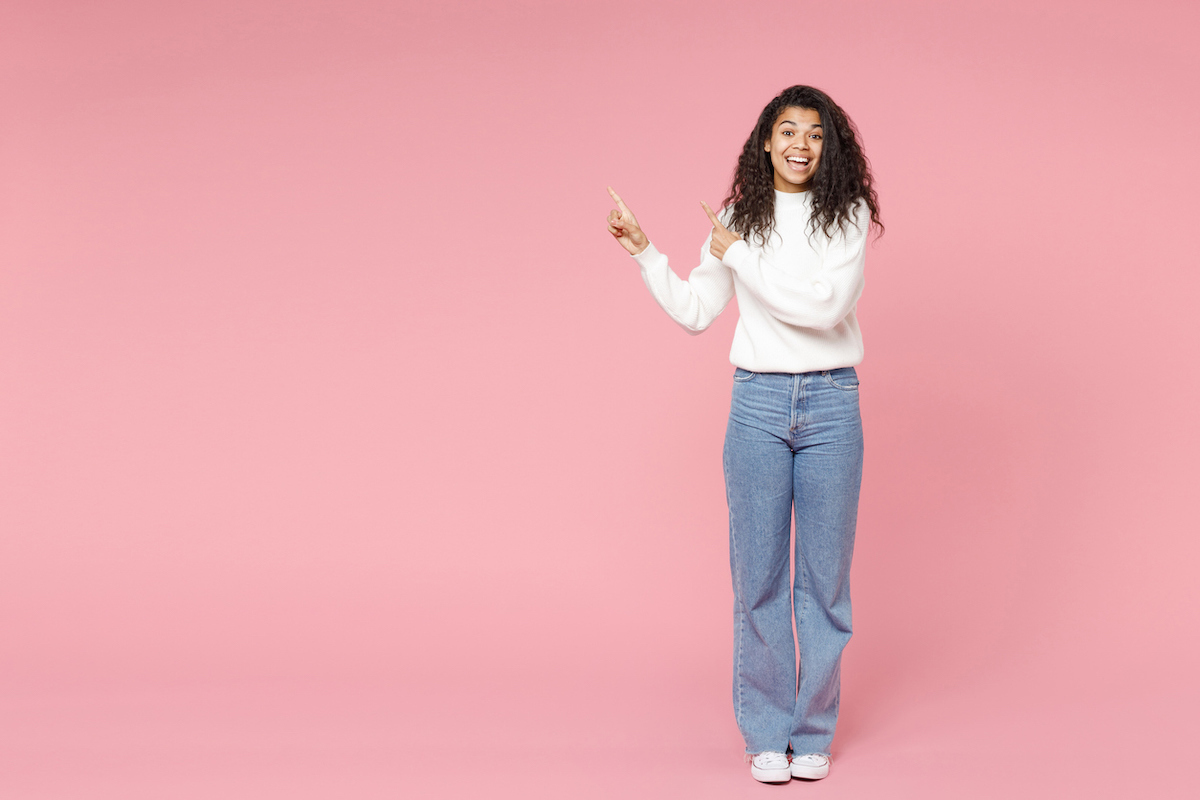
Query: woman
790	245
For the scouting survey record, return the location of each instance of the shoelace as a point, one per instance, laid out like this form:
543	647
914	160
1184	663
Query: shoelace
769	760
810	760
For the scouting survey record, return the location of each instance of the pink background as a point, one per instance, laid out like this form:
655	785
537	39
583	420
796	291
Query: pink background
342	453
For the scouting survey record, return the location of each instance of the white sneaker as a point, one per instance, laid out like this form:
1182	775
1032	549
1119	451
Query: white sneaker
813	766
770	767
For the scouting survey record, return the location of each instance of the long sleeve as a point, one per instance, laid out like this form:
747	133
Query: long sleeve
819	297
693	303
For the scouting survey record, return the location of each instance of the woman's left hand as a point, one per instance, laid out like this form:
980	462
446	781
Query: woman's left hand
722	237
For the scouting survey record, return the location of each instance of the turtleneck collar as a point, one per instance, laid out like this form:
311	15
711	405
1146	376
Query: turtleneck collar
792	199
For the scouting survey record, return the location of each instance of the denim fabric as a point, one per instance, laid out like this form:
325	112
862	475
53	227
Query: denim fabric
793	440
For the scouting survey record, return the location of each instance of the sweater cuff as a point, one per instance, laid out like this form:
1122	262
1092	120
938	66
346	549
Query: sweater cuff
647	256
736	254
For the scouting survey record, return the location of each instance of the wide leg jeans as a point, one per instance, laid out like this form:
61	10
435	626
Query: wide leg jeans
794	442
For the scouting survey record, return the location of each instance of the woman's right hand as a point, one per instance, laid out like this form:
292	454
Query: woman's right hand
624	226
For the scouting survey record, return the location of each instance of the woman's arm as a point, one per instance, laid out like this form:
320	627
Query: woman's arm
820	300
693	303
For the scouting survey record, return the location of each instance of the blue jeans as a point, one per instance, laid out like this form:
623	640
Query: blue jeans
792	441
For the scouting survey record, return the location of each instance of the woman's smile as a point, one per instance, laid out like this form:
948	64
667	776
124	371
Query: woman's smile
798	162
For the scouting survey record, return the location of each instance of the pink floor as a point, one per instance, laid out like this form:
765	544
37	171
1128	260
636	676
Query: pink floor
982	741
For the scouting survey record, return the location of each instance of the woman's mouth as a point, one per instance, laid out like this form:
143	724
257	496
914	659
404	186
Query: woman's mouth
797	163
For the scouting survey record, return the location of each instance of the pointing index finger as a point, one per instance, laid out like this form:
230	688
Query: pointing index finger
716	222
617	199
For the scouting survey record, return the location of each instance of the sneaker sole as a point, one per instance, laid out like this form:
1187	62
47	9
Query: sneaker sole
809	773
770	775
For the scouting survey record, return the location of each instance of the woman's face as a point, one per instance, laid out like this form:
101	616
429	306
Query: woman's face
795	148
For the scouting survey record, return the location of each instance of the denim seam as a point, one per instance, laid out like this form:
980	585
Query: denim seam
802	404
800	568
797	416
741	616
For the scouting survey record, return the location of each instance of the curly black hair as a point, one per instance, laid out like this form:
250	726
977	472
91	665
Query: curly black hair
842	179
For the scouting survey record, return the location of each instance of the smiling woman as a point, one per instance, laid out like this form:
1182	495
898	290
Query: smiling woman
790	246
801	112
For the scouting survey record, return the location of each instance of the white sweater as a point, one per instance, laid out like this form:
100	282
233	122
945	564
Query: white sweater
796	295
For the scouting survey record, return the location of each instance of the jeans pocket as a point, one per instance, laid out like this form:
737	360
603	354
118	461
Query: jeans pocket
844	378
742	375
